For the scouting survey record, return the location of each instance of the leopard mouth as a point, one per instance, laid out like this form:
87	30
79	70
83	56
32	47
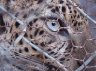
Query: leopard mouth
63	48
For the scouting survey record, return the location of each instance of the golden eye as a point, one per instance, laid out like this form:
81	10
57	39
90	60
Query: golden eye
53	25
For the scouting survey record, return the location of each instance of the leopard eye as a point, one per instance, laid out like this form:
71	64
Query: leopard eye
53	25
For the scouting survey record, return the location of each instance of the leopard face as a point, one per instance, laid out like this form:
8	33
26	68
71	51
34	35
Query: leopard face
45	31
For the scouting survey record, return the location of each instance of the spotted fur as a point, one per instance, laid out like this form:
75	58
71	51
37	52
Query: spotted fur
61	11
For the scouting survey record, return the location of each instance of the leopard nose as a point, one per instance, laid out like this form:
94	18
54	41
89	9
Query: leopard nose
63	32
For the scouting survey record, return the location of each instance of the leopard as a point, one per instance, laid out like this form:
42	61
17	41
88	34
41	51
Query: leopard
48	29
